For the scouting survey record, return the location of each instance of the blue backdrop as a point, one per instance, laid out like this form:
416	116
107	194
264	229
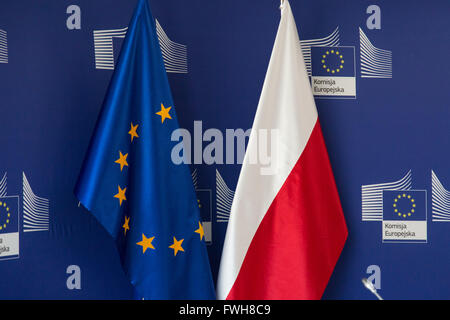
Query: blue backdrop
385	120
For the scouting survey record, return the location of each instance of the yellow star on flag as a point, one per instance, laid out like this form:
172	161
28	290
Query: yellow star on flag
200	230
146	243
133	132
164	113
176	246
122	160
121	194
126	226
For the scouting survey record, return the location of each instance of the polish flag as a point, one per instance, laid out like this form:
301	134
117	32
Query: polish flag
286	229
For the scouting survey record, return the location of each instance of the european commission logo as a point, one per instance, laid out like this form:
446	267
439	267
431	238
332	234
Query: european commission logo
401	210
404	216
333	72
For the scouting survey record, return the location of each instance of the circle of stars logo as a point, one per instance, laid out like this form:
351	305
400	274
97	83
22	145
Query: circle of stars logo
329	58
5	215
405	202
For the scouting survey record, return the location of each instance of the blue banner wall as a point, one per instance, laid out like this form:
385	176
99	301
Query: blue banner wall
379	73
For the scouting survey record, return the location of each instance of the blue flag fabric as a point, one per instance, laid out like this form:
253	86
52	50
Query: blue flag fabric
130	184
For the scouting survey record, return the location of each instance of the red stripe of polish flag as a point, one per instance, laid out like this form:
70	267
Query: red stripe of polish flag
286	228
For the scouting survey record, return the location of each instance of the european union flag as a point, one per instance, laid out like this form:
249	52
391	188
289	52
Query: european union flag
404	205
333	61
130	184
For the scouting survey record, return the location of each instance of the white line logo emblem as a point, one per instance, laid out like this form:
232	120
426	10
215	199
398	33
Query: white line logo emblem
375	62
3	46
35	209
174	54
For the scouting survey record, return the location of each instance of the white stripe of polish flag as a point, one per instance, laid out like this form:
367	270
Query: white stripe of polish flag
286	230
